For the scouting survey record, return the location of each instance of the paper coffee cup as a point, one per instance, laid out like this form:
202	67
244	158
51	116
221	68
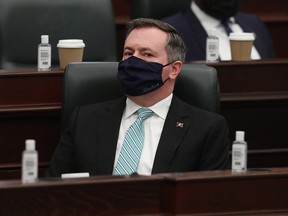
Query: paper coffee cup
241	45
70	50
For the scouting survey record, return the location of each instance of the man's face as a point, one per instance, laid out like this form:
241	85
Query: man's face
148	44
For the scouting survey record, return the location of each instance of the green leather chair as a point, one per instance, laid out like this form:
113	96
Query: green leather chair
92	82
24	21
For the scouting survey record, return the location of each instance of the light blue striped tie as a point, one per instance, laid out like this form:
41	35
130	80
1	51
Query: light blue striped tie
132	146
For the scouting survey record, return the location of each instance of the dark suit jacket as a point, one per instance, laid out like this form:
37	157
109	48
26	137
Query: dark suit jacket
194	35
89	143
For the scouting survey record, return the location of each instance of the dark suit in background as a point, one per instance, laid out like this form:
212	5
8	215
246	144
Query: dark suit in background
194	35
90	141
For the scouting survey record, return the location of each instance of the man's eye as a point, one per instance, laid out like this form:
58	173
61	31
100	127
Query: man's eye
148	54
128	54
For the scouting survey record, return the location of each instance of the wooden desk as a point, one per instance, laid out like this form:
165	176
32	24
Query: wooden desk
196	193
254	98
30	103
224	193
95	196
252	76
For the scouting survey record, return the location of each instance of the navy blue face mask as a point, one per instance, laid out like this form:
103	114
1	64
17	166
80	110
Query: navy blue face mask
138	77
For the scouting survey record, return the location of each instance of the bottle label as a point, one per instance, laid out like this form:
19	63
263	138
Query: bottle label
44	58
30	164
212	50
29	168
239	158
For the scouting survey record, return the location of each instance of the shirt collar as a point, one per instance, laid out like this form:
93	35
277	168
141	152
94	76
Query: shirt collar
232	20
161	108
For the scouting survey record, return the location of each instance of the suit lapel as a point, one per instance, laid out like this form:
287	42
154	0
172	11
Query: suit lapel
108	130
175	127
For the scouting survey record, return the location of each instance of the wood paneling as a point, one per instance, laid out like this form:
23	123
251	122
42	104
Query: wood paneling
254	98
225	193
262	192
30	103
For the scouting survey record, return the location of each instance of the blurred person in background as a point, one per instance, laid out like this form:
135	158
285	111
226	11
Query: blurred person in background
224	16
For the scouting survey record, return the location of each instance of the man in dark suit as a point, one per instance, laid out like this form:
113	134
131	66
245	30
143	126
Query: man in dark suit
222	15
178	137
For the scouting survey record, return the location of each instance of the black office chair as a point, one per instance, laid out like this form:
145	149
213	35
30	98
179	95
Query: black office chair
157	9
92	82
24	21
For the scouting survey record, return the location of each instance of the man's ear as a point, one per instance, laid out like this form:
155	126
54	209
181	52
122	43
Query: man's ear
176	69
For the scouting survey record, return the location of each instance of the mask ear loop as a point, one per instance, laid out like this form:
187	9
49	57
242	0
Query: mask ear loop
166	80
165	66
168	64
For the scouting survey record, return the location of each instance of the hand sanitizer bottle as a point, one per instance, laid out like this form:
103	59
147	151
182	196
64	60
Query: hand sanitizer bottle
239	153
212	46
44	54
29	162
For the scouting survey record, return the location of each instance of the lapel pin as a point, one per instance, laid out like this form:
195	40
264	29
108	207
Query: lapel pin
179	124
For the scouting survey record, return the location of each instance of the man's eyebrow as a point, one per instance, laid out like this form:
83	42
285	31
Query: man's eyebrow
146	49
128	48
142	49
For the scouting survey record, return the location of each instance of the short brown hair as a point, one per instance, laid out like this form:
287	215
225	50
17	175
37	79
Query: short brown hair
175	47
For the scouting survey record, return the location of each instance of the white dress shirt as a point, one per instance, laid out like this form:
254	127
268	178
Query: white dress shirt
153	127
209	22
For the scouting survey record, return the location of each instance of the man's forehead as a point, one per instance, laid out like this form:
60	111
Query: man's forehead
148	35
150	29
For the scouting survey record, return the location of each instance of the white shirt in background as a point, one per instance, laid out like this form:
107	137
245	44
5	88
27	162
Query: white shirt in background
209	22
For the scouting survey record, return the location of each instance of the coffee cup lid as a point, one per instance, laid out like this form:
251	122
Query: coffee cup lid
243	36
71	43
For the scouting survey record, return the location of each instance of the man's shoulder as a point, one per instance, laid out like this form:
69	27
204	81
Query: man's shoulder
192	110
246	17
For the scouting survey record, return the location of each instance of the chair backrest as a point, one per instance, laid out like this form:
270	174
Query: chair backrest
157	9
24	21
92	82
